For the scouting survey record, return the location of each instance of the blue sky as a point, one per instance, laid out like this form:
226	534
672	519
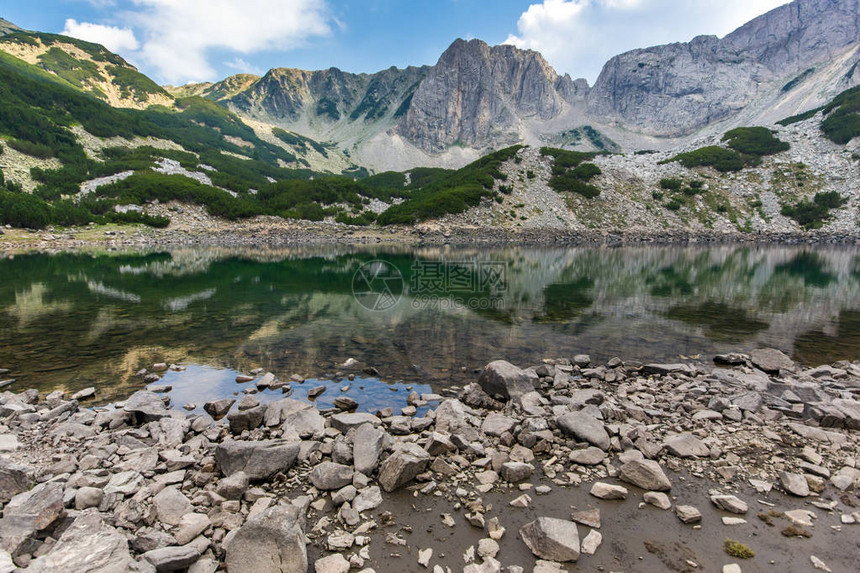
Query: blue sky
178	41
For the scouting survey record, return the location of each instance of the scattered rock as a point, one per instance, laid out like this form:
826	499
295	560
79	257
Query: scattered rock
658	499
646	474
552	539
686	446
730	503
591	542
608	491
795	484
270	542
771	360
584	427
329	476
501	378
332	564
401	467
89	545
688	514
258	459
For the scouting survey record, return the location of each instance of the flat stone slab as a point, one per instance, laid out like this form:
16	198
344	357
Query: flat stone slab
585	428
552	539
688	514
686	446
608	491
771	360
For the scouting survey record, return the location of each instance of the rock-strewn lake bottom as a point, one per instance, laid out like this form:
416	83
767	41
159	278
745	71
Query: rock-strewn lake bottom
748	463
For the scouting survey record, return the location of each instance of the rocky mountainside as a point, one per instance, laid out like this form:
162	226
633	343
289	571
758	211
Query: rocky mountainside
786	61
85	66
477	98
7	27
477	95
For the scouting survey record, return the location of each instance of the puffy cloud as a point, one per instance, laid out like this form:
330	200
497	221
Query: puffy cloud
179	38
178	34
578	36
113	38
243	66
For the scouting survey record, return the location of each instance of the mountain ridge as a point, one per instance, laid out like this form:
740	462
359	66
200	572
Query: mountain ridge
479	97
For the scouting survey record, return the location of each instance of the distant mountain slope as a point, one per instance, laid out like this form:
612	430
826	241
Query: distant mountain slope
477	98
86	66
7	27
792	58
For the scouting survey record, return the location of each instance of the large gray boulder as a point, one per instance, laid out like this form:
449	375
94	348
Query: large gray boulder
270	542
730	503
328	476
174	558
28	513
771	360
299	420
14	479
346	421
258	459
552	539
170	505
497	424
89	545
146	406
795	484
646	474
401	467
218	408
501	378
249	419
367	446
584	428
686	446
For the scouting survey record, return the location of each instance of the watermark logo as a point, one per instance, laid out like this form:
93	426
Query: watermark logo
462	277
377	285
458	285
441	285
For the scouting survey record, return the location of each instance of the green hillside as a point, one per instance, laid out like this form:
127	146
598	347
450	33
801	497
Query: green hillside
38	110
83	65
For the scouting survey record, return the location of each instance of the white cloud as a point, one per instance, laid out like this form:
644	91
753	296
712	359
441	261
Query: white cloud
178	35
578	36
243	66
113	38
179	38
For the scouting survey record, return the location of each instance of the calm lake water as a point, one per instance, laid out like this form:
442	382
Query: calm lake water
424	317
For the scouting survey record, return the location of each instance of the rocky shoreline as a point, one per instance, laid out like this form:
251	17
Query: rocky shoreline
268	232
523	470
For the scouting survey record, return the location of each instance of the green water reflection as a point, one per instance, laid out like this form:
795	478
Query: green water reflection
71	320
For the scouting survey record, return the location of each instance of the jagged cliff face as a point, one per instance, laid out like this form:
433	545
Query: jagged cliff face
478	96
328	96
675	89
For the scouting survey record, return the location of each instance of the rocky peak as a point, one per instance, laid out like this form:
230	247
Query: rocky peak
674	89
477	95
7	27
331	95
789	37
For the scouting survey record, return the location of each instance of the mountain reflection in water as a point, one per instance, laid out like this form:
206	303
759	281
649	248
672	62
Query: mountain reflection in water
72	320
